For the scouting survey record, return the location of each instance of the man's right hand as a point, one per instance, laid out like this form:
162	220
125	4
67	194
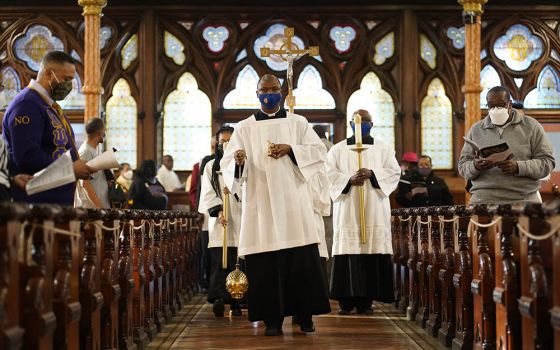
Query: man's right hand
81	170
239	156
357	180
483	164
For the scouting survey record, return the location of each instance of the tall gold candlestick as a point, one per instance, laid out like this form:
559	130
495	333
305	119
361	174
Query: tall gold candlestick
362	205
225	242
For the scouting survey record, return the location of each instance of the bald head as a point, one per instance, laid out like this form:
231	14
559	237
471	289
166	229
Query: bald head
269	79
366	117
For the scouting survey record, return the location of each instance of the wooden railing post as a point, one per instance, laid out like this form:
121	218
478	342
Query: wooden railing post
140	336
126	282
405	229
506	291
110	287
535	301
434	319
422	268
462	283
396	243
38	318
414	293
149	310
447	330
66	292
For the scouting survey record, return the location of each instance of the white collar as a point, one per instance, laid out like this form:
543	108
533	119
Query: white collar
42	91
164	168
271	114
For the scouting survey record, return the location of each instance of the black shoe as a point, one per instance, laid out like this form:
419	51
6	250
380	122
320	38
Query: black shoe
272	331
218	308
368	311
344	312
308	327
236	312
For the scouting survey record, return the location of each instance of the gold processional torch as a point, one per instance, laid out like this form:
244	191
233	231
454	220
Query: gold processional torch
237	283
359	149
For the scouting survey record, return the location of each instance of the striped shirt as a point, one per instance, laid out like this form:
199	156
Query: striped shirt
4	177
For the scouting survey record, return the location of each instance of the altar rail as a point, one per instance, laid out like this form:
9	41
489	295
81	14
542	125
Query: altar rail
92	279
482	277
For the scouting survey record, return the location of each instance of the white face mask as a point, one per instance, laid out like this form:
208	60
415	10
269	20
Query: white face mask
128	175
498	115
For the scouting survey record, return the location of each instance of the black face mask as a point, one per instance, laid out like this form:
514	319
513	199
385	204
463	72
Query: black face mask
60	89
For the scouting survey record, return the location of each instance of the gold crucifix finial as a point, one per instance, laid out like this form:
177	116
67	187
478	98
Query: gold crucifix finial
289	52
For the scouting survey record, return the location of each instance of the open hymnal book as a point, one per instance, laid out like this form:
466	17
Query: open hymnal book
59	173
104	161
496	153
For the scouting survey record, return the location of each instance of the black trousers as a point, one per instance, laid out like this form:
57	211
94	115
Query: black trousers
204	262
217	287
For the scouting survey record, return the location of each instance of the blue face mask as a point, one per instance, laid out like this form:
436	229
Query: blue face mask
270	100
366	128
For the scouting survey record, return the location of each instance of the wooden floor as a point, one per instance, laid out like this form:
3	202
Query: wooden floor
195	327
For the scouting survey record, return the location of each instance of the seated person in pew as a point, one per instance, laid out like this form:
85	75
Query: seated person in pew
513	154
422	188
212	203
146	192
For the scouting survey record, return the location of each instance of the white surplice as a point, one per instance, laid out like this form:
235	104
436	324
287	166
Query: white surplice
342	163
277	211
319	191
208	200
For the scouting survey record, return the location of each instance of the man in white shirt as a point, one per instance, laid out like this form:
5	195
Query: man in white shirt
167	177
97	187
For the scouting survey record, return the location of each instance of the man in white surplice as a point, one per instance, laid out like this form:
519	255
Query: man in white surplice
362	273
274	153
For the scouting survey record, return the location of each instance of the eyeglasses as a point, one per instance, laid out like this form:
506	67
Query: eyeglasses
496	105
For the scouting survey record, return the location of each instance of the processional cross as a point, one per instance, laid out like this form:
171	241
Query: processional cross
290	52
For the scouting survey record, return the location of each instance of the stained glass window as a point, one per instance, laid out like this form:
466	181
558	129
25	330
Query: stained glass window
547	93
518	81
488	79
518	47
75	100
384	49
437	126
483	54
215	37
310	93
34	44
457	36
121	122
129	52
243	96
342	37
274	39
242	55
555	55
187	115
378	103
75	55
174	48
428	51
105	34
12	85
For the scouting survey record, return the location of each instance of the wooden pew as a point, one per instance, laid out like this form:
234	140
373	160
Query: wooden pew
482	277
11	218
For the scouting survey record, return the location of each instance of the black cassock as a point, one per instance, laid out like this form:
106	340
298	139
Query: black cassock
285	283
362	277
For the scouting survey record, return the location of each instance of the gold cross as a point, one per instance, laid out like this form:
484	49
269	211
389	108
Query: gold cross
290	52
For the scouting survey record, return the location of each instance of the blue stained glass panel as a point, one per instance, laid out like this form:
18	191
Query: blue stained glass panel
215	37
34	45
428	51
342	37
547	93
274	39
457	36
384	49
518	47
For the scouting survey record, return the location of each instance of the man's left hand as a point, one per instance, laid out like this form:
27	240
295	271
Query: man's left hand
21	180
509	167
364	173
279	150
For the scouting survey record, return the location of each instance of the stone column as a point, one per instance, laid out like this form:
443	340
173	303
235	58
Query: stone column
472	11
92	62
